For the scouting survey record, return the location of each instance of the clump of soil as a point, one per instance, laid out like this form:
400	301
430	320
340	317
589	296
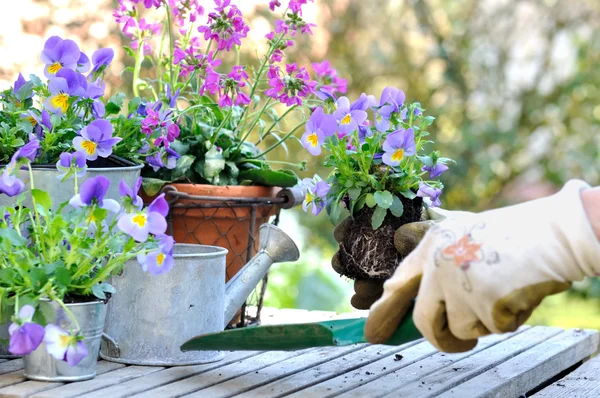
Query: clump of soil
365	253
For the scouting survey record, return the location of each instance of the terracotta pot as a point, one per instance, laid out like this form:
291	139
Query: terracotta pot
227	227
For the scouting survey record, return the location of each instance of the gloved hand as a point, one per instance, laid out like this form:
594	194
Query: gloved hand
406	238
485	273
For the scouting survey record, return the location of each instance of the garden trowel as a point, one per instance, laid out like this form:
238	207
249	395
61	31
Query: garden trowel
297	336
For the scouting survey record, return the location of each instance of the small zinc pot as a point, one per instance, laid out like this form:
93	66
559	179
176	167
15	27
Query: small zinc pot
45	178
41	366
150	316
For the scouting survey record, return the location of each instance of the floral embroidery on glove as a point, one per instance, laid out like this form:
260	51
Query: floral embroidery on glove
462	251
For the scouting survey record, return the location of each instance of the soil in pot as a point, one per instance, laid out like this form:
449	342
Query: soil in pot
370	254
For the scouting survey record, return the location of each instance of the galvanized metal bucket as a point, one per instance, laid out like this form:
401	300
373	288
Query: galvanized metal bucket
150	316
39	365
45	178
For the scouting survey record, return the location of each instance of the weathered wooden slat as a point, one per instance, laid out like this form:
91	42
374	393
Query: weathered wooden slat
448	377
584	382
364	374
107	379
11	378
380	386
276	382
11	366
281	359
166	376
29	388
531	368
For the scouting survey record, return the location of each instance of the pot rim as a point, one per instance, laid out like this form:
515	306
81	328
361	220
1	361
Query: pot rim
92	169
218	251
96	301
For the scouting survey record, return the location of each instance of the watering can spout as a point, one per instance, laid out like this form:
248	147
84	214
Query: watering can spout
275	247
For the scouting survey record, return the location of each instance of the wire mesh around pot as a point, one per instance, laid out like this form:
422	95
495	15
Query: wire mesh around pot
230	222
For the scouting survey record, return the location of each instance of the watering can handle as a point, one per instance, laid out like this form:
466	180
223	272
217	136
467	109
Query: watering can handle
112	348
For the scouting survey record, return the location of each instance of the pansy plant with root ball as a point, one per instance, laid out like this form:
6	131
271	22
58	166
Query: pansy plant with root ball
384	171
67	255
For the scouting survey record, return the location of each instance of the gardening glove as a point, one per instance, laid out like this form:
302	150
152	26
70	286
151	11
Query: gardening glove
485	273
406	238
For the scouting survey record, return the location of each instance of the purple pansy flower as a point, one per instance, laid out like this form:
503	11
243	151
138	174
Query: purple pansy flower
430	195
59	54
46	120
391	101
132	193
20	82
436	170
28	151
96	139
139	224
325	94
101	59
25	336
21	90
64	346
83	64
397	145
68	160
64	85
348	119
315	191
10	185
159	261
318	127
164	158
93	190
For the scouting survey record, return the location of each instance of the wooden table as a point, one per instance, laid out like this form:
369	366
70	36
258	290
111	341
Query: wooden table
534	360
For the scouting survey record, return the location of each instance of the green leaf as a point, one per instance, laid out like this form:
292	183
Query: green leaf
152	186
378	217
38	278
115	103
12	237
133	104
354	193
42	198
384	199
335	213
129	51
270	178
183	166
62	277
408	194
359	204
427	160
214	163
370	200
100	289
397	208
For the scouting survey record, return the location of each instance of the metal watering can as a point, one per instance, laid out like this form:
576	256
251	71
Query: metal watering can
151	316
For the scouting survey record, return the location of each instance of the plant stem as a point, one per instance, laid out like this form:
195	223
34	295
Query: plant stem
67	310
139	57
171	46
285	137
216	133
